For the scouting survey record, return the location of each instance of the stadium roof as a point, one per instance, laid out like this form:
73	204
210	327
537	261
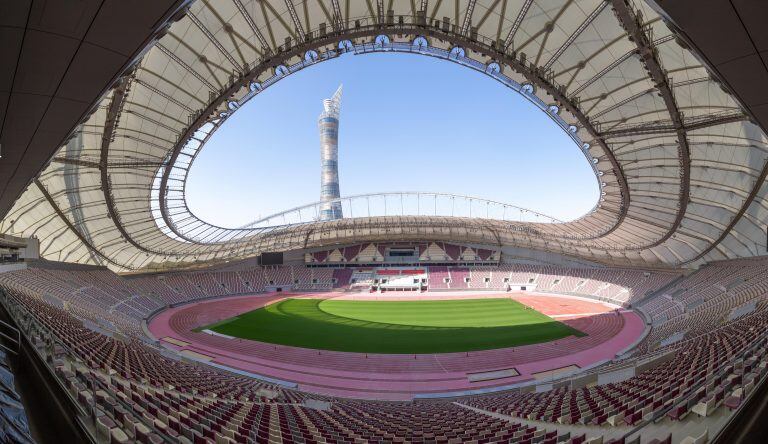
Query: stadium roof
681	167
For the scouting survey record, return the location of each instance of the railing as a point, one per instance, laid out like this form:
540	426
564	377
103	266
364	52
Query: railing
11	336
719	434
18	312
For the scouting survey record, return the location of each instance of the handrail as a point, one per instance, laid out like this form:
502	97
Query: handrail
81	411
14	337
736	414
4	300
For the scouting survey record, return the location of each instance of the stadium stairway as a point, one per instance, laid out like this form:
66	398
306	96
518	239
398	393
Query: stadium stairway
659	292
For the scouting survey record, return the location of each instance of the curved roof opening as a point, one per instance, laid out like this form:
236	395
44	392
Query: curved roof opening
481	139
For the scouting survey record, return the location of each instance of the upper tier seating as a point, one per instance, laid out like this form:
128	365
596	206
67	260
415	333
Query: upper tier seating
616	285
703	300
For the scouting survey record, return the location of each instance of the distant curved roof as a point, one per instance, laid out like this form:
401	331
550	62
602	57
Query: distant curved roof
680	165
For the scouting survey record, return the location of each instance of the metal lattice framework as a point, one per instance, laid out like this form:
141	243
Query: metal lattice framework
680	167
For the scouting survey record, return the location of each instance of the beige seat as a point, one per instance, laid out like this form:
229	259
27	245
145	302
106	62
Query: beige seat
104	426
119	437
701	439
616	419
705	408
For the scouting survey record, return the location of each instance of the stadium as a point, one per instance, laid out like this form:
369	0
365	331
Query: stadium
433	316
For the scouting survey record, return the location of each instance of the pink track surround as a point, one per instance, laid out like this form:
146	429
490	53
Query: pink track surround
401	377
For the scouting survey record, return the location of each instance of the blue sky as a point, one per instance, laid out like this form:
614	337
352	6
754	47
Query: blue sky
408	123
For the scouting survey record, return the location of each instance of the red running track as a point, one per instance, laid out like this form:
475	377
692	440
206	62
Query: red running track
401	377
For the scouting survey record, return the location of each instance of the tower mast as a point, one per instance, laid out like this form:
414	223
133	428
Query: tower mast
328	124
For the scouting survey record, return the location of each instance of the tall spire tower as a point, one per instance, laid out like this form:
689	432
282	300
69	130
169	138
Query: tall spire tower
328	123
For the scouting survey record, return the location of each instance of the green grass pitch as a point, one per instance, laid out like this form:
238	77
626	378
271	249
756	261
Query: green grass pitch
436	326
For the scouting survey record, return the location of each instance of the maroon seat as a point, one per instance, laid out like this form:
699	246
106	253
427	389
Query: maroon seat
667	440
732	402
677	412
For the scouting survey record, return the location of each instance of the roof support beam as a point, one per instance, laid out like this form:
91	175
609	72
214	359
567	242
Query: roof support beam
164	95
516	25
110	125
207	32
750	198
604	71
295	18
338	19
629	99
139	115
574	35
114	165
546	31
631	20
186	67
668	127
71	227
380	10
468	17
615	63
248	19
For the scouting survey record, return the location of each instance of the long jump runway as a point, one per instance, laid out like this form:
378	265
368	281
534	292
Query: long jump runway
401	377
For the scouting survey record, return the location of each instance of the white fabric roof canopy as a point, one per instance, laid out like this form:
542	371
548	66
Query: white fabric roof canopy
680	162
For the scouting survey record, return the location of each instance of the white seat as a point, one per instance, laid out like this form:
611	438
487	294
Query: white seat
701	439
